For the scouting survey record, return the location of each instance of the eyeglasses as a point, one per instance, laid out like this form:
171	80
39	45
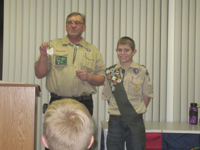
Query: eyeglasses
72	22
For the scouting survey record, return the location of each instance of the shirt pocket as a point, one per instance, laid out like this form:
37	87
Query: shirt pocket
135	87
60	60
88	63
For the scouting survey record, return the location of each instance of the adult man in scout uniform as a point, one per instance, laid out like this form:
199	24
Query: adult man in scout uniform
72	66
128	91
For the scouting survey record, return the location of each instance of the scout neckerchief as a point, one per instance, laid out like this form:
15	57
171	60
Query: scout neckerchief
132	118
72	44
75	46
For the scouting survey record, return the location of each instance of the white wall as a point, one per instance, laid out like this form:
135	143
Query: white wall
166	32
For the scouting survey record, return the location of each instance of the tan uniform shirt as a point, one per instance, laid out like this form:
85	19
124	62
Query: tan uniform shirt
61	78
137	86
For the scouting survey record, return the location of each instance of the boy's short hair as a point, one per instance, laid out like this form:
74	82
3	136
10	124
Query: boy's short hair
76	14
67	125
127	40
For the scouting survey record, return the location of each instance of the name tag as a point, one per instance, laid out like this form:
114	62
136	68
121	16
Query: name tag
61	60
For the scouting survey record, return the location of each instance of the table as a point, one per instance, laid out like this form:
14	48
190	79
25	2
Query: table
165	135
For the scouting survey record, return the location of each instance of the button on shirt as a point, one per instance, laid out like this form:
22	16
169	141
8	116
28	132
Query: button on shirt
137	86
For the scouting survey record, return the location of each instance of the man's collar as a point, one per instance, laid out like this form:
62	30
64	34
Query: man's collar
67	41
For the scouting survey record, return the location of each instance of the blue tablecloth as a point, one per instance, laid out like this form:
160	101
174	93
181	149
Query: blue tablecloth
172	141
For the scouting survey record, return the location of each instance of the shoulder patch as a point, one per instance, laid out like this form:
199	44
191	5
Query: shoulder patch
147	73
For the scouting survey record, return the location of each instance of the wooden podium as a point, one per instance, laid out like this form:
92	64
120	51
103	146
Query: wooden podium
18	116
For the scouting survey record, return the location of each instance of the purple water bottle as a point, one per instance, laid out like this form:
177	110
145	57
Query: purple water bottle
193	113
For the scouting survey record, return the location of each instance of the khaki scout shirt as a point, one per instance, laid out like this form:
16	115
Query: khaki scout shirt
137	87
61	78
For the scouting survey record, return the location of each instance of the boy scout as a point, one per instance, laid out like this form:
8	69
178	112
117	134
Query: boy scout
128	91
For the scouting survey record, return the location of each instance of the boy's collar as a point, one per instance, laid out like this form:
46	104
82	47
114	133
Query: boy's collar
132	65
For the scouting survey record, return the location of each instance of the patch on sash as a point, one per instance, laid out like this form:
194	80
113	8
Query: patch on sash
61	60
113	77
119	80
107	71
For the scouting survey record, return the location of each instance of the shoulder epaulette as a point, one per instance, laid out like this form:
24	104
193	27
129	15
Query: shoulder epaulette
145	69
143	66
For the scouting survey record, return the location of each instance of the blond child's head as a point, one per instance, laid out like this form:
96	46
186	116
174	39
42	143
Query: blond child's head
67	125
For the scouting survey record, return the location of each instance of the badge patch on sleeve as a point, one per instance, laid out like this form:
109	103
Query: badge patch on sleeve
147	73
61	60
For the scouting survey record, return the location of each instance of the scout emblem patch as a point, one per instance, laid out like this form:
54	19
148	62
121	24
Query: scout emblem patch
50	50
113	77
61	60
136	70
88	49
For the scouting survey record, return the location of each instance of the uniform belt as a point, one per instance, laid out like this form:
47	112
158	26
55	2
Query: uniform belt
114	117
119	117
80	98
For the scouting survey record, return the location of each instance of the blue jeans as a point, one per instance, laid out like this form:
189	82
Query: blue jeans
118	134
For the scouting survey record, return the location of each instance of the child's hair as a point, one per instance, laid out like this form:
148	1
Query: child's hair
67	125
127	40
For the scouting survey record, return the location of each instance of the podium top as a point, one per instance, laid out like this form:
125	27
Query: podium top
17	84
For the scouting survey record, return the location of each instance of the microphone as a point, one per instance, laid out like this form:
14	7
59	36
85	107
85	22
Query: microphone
123	72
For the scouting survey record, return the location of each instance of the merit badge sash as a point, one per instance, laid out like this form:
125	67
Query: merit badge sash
132	118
